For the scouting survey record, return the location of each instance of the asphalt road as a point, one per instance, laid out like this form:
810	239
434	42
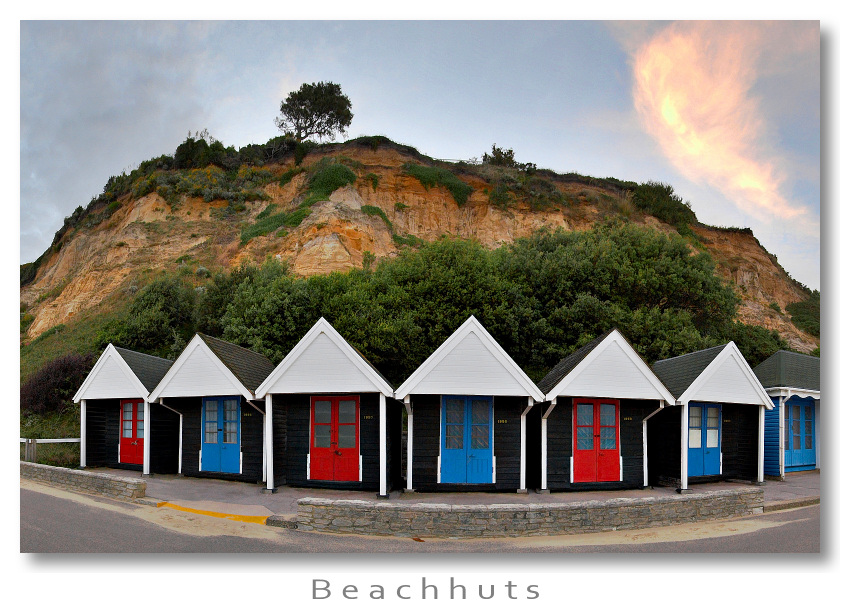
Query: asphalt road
53	521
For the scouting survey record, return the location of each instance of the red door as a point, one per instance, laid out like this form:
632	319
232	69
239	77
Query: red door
334	438
596	440
131	432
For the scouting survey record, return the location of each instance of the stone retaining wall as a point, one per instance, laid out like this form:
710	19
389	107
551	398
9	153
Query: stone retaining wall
122	488
448	520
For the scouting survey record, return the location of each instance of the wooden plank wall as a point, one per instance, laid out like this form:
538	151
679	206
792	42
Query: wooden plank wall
560	446
507	445
296	408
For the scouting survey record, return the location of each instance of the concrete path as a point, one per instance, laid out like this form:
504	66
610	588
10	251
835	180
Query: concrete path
248	500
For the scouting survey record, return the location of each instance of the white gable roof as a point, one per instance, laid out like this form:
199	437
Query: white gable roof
111	377
470	362
613	369
199	372
728	378
323	362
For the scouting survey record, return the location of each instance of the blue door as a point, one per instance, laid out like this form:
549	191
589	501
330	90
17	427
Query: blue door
221	435
703	439
799	451
466	439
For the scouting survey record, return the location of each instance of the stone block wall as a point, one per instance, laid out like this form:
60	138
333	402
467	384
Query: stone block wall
121	488
495	520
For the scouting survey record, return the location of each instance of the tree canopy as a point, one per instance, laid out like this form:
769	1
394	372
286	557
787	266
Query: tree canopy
316	109
541	298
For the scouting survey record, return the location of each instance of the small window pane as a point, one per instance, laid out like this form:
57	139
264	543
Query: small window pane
230	432
480	413
127	410
127	428
797	443
454	410
713	417
585	415
585	438
211	410
347	437
322	436
695	439
140	426
809	428
480	437
695	417
797	427
797	412
712	438
809	442
210	431
348	412
454	437
607	416
607	438
809	413
322	411
787	443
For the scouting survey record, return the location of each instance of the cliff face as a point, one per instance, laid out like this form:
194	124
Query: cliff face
147	235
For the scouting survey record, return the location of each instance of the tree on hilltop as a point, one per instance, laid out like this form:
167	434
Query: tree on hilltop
316	109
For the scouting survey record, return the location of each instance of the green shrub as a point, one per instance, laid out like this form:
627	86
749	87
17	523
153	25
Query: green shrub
373	179
430	176
377	212
659	200
400	206
805	315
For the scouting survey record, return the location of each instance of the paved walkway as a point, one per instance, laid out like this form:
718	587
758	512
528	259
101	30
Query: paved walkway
249	500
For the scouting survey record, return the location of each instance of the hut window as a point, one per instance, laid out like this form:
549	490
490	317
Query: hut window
210	421
127	420
607	427
713	426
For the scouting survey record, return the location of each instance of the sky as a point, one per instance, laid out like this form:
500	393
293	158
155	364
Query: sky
728	113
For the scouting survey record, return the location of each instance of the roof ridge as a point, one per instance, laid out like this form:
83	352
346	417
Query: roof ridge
685	355
147	355
204	336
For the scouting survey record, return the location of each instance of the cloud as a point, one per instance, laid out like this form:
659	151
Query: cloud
693	91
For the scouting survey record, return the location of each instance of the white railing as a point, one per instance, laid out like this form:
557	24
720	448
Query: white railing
30	453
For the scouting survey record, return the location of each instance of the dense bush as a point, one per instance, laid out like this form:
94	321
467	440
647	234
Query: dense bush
805	315
659	200
161	312
431	176
51	388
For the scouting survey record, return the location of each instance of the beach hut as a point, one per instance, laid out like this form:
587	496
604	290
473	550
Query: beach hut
792	435
120	427
716	429
331	418
466	416
211	386
593	426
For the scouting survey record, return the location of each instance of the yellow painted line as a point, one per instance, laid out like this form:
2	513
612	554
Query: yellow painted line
251	519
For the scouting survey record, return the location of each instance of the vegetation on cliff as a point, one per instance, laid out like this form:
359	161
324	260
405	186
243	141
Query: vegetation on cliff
540	297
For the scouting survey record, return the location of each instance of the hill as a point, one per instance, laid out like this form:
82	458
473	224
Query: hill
339	207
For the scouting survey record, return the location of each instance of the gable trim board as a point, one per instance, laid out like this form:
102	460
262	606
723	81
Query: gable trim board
110	362
174	385
471	336
288	378
572	385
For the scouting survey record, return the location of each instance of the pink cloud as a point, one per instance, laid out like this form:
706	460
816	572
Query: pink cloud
693	93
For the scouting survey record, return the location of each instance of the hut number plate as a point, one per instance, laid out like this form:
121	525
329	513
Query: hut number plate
368	417
501	421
